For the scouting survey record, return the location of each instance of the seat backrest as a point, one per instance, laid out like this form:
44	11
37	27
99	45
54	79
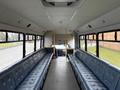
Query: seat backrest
7	81
17	71
78	54
99	69
111	77
118	85
49	49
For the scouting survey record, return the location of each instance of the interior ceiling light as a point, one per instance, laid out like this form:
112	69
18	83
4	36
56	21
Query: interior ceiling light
60	3
61	0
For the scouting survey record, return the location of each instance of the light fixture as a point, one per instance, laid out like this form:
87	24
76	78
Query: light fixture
60	3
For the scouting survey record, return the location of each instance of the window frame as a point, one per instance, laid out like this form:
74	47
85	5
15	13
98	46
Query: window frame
24	40
98	40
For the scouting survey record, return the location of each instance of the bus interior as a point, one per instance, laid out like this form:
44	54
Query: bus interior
59	44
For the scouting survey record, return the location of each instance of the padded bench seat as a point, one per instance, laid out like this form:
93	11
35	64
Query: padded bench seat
91	81
93	73
36	77
29	73
86	76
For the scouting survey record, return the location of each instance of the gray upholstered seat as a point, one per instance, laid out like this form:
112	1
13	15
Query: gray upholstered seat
28	74
94	74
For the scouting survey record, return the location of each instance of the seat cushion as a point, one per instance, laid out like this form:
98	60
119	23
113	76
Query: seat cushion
88	80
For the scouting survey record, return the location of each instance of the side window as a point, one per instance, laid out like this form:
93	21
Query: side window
38	42
118	35
109	36
91	44
12	36
29	44
2	36
11	51
109	49
82	42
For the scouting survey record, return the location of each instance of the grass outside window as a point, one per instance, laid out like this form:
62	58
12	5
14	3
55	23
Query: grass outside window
9	45
109	55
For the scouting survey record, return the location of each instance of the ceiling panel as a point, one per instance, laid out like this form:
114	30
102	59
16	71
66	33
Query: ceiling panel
58	19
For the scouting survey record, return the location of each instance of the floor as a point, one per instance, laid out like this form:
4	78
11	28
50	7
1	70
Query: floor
60	76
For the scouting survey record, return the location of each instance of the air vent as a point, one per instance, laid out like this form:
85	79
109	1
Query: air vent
60	3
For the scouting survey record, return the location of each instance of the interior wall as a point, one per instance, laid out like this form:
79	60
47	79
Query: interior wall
48	39
76	36
63	39
57	39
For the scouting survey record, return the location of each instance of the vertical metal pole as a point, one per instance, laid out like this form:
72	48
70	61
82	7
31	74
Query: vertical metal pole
43	41
54	42
85	42
102	36
35	43
93	37
24	45
18	36
115	35
97	44
40	41
79	42
6	36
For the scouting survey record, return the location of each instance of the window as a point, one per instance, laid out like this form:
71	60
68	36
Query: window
62	46
91	44
2	36
100	36
30	37
29	44
109	36
21	37
110	52
11	47
12	36
108	49
118	35
82	42
94	36
38	43
91	37
10	52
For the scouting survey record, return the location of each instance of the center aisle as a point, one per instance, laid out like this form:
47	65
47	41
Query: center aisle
60	76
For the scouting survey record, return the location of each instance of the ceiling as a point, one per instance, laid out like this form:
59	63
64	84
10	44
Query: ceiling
61	20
